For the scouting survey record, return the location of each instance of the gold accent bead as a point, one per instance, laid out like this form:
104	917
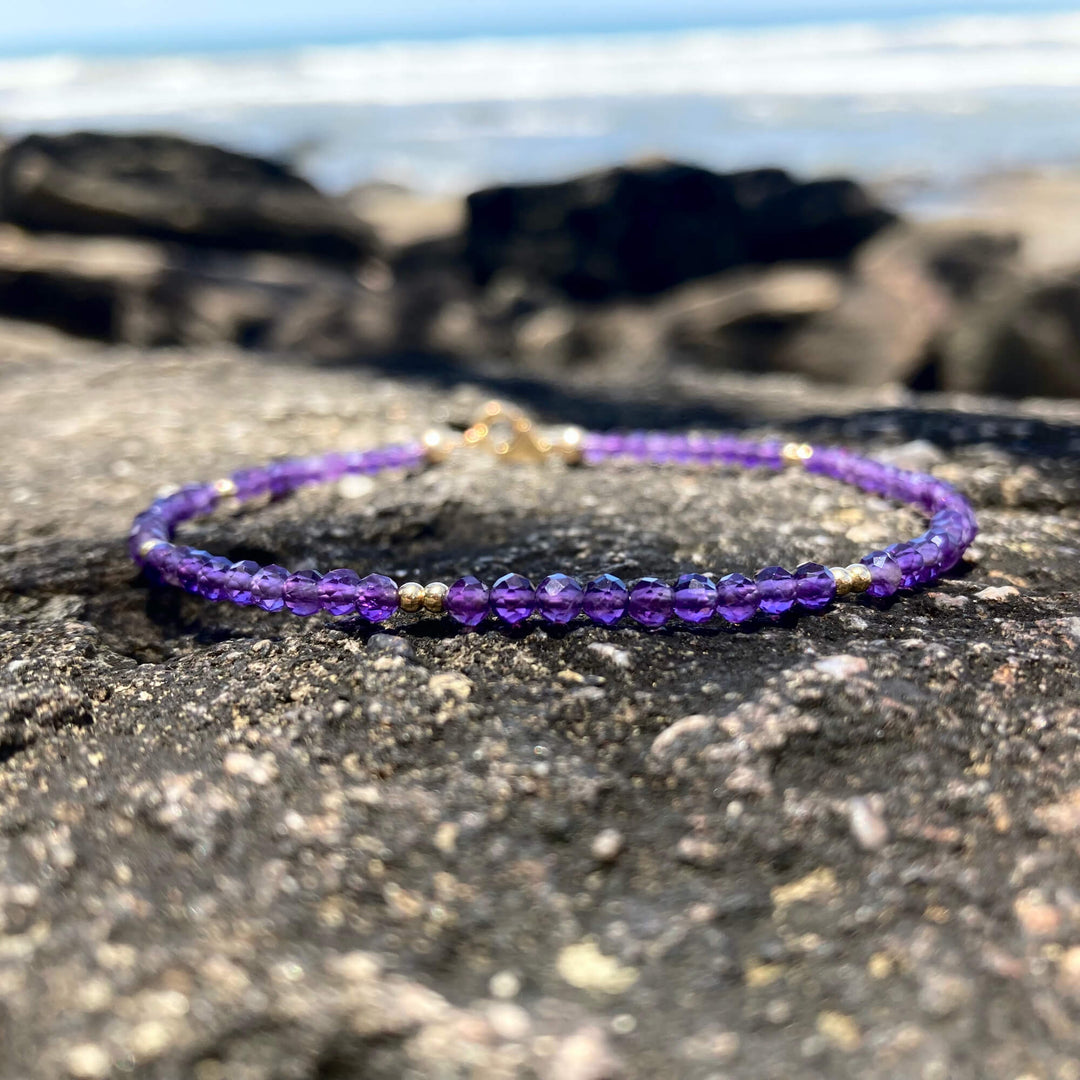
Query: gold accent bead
435	597
843	580
796	453
860	578
224	487
148	545
570	445
410	596
438	446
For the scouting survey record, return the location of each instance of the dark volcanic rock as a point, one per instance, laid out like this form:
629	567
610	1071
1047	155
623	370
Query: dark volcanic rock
636	231
241	845
150	294
166	188
1022	340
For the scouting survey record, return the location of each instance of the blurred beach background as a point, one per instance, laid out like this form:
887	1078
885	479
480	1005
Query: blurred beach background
877	194
449	97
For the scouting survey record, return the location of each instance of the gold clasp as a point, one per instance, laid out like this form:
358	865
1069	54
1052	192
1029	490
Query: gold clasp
509	435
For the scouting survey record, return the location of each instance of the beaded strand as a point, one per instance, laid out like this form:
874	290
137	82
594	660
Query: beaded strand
559	598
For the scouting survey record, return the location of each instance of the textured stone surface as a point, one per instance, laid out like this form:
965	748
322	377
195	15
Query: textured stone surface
173	189
640	229
238	844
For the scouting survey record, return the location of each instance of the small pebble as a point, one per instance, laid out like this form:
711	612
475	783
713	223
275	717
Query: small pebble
842	666
619	658
504	985
607	845
867	825
998	594
391	645
945	602
88	1061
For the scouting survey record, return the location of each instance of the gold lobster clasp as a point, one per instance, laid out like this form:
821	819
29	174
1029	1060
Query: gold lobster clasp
509	435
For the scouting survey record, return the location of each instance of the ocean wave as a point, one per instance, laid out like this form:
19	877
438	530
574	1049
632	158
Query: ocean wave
947	98
917	60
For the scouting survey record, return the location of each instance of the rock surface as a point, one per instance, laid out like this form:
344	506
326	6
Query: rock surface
161	187
154	241
249	846
640	230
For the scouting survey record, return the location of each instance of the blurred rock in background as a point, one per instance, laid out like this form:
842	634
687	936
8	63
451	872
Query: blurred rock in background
156	241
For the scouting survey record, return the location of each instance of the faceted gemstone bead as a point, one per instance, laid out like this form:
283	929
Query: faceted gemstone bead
376	597
189	567
605	599
815	587
238	581
651	602
301	592
695	598
136	538
250	483
282	477
467	601
776	590
950	550
266	587
885	574
558	598
512	598
149	525
910	562
169	565
338	591
155	562
331	467
736	598
188	502
211	583
931	557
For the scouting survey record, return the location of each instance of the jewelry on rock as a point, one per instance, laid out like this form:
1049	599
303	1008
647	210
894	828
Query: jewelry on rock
558	598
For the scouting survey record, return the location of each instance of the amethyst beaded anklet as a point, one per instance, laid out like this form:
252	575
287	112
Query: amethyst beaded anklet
558	598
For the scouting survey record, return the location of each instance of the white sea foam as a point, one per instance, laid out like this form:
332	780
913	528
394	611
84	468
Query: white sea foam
482	90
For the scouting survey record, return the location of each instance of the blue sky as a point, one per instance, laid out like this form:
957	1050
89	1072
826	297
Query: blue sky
166	24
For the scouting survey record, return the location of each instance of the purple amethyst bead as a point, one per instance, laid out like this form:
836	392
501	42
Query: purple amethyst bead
910	562
512	598
189	567
376	597
338	591
776	590
651	602
736	598
301	592
815	587
211	582
149	525
951	551
467	601
136	540
695	598
189	502
238	581
156	561
605	599
885	574
266	587
169	564
250	483
558	598
931	557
